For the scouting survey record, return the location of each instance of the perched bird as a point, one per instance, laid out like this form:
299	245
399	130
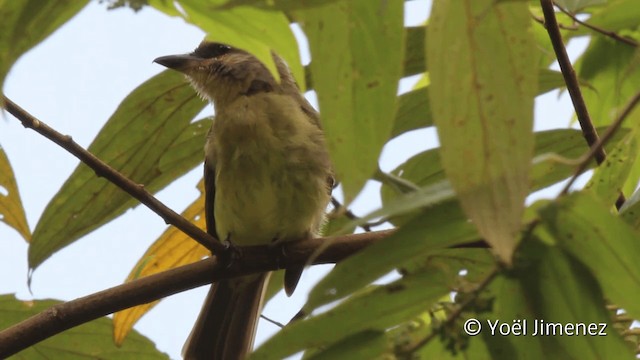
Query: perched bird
268	179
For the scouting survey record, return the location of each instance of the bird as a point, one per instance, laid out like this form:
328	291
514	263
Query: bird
268	180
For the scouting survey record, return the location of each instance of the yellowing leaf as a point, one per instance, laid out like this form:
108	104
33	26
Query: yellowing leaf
484	75
11	209
172	249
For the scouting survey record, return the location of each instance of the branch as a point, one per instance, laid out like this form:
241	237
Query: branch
588	130
103	170
611	34
254	259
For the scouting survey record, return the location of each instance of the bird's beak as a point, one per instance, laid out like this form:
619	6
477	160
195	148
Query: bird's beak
180	63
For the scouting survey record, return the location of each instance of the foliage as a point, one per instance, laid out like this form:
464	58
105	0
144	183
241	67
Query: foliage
562	260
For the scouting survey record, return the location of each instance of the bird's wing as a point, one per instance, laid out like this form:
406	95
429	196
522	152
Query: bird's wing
209	197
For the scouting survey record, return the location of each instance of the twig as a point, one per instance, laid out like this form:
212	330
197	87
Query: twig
611	130
349	214
136	190
276	323
611	34
588	130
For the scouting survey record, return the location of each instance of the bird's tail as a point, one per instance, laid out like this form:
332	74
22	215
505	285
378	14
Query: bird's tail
227	323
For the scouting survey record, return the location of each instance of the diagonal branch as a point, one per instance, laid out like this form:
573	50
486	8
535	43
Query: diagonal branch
255	259
252	259
136	190
588	130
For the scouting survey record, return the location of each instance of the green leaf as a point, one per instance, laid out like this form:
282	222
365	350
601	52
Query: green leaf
283	5
92	340
617	15
630	211
148	139
610	176
414	112
549	80
606	245
510	305
364	345
357	49
28	22
436	228
254	30
574	6
554	151
605	65
11	208
561	290
376	308
414	58
483	69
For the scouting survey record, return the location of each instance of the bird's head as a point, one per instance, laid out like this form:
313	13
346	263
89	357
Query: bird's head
221	73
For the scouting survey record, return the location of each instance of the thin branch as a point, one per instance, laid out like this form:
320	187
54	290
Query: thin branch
611	130
136	190
611	34
255	259
339	208
588	130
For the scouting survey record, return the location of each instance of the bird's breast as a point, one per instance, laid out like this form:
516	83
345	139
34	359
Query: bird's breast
271	170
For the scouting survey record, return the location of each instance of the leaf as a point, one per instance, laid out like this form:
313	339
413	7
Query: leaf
549	80
630	211
617	15
357	89
414	58
437	227
610	176
254	30
375	308
282	5
87	341
510	305
28	22
561	290
553	150
605	66
575	6
365	345
148	139
481	96
172	249
606	245
11	208
414	112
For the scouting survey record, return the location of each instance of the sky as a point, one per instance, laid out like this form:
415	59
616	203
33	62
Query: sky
74	81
